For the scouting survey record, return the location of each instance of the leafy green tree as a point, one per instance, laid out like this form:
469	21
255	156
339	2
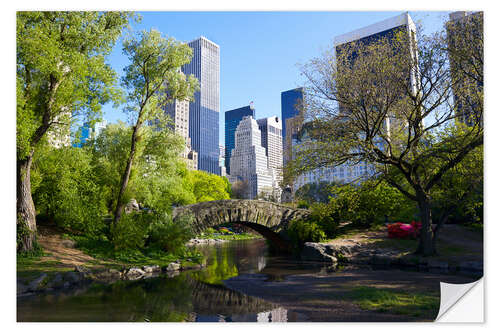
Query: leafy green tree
61	73
159	177
209	187
370	202
315	192
152	80
459	194
388	103
67	192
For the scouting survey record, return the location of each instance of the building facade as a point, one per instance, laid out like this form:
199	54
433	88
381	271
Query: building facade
291	105
204	111
232	119
249	161
465	29
272	141
179	114
87	132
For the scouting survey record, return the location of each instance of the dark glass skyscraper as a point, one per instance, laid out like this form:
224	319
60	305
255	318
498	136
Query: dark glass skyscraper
204	111
290	99
231	119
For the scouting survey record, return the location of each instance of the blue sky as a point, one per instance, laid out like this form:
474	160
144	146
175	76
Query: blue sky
260	52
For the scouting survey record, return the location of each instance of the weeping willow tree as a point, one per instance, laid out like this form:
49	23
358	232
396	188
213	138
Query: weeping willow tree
390	102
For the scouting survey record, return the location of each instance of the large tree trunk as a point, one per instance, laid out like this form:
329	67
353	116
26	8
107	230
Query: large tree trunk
426	245
26	223
120	204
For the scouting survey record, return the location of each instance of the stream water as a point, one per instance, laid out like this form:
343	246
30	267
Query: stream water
189	296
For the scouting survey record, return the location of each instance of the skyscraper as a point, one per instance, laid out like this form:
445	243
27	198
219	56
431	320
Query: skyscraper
231	119
204	111
272	141
249	161
465	36
290	107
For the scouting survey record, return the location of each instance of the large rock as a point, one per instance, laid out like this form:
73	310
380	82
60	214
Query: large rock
151	268
38	283
134	273
318	252
173	267
132	206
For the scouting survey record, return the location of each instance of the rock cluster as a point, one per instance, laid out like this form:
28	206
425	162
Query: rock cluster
81	276
200	241
359	255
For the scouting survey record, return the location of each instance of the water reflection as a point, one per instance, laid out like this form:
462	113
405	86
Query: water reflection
190	296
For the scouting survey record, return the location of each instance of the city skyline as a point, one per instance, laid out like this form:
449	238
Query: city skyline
264	55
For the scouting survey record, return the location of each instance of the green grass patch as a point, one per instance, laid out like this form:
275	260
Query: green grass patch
103	249
397	302
30	268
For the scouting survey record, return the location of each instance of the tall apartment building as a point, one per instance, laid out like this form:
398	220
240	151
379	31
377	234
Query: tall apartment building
249	161
272	140
232	119
291	104
465	29
204	111
179	114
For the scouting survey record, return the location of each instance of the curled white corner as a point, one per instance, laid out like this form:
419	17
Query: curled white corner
459	303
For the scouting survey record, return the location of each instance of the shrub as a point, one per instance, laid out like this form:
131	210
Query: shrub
65	190
302	231
131	231
210	231
169	235
323	215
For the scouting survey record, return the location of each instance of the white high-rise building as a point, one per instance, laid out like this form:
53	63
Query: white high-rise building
179	113
272	140
249	161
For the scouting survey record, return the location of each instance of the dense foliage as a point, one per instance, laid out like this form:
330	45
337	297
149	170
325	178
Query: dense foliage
61	72
76	189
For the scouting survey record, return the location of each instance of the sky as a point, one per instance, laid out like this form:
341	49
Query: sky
260	52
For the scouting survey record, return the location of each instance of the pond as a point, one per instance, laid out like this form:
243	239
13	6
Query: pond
190	296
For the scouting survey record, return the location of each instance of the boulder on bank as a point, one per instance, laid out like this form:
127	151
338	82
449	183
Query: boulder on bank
173	267
318	252
134	273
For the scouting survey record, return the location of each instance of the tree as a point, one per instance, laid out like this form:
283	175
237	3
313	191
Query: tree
61	73
152	80
389	103
239	190
209	187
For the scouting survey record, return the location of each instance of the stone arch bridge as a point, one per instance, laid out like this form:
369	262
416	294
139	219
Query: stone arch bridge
267	218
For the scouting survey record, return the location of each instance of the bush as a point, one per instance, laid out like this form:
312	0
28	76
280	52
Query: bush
131	231
302	231
65	190
369	203
169	235
210	231
324	217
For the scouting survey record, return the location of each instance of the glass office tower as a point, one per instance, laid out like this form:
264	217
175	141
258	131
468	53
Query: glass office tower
231	119
204	111
290	108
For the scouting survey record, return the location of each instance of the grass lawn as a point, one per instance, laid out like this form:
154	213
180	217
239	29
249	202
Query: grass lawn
397	302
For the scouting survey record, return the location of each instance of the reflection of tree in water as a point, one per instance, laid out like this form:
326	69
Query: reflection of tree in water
230	259
182	298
